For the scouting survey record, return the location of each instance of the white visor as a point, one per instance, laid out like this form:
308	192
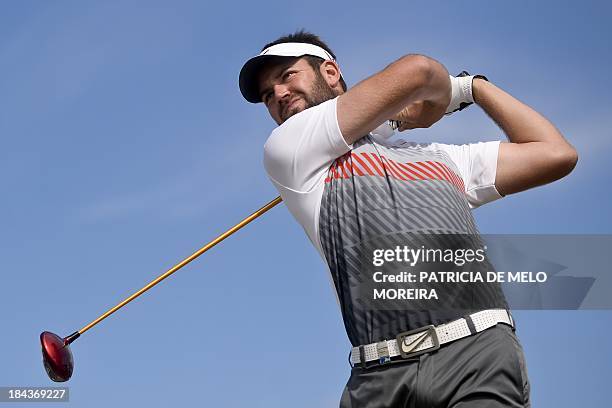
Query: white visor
250	70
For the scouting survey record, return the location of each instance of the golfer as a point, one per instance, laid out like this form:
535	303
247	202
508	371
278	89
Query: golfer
351	187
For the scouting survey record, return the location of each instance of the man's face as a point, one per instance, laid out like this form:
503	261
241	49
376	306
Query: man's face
292	86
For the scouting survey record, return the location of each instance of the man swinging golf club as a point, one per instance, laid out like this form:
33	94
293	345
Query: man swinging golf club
353	190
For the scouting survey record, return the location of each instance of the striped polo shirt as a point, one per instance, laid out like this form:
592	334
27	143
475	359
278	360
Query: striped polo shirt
351	199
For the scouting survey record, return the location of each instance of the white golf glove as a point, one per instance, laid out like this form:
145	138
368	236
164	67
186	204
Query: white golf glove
385	131
461	91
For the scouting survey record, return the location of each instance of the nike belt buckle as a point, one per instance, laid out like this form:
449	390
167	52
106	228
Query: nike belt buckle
406	348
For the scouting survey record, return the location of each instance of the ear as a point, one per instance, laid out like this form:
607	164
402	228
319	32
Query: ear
331	73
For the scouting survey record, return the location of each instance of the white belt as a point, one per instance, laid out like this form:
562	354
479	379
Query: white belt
429	338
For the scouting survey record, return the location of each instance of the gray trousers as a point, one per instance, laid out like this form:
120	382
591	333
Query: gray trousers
486	369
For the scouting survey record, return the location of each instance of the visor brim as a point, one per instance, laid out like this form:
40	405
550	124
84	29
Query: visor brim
249	76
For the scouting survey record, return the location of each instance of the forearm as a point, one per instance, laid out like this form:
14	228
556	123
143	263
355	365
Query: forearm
520	123
376	99
538	153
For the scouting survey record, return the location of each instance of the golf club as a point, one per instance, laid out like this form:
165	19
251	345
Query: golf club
57	357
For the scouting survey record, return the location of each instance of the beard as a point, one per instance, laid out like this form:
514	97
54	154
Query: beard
319	93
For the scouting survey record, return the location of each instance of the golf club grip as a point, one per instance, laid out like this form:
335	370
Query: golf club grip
185	261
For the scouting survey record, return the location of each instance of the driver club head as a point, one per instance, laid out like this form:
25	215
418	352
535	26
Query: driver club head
57	356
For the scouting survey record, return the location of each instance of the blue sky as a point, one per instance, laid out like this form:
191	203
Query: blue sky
126	146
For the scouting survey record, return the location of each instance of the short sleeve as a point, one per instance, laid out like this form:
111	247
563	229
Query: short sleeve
299	152
477	163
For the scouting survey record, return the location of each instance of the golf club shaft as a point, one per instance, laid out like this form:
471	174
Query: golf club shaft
184	262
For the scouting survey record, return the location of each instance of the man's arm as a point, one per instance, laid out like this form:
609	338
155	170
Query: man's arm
537	153
413	78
